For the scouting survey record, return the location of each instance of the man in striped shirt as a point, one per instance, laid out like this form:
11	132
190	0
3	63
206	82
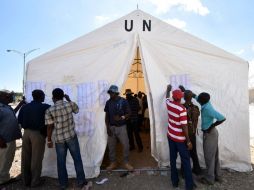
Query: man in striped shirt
178	138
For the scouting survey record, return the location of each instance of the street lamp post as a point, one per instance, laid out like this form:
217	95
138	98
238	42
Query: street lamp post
24	55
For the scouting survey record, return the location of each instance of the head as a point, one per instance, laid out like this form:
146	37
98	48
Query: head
140	94
58	94
203	98
6	96
128	93
113	91
38	95
188	95
177	95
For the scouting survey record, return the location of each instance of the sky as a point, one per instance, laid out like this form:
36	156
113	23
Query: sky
46	24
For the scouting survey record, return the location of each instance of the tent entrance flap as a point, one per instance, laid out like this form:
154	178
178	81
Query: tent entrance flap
136	81
139	158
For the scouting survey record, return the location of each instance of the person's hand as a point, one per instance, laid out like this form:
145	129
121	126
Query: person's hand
169	87
2	144
194	95
181	88
189	145
67	97
117	118
50	144
109	132
23	101
197	131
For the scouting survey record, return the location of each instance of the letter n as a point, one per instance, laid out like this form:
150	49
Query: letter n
148	26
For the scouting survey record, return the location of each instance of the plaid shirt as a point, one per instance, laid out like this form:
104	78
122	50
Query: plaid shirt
61	116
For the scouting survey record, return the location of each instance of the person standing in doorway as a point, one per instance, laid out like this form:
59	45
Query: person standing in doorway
117	113
178	137
60	118
32	120
9	133
132	123
140	112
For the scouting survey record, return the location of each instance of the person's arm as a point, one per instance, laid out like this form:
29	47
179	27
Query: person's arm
219	119
21	103
195	115
183	121
2	143
49	134
49	122
169	87
216	123
20	117
186	134
107	124
181	87
75	108
127	111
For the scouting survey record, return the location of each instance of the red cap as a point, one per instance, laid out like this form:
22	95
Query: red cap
177	94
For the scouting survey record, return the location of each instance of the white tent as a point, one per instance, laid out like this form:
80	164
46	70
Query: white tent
86	66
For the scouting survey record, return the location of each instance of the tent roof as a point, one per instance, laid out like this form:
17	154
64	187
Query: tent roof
161	31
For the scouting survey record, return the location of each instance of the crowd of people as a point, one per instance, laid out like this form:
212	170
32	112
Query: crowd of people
123	119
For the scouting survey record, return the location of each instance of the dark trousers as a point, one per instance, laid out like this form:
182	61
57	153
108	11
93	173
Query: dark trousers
194	156
140	120
133	128
174	148
61	152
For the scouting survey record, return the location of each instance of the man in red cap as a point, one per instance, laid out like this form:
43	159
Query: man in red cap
178	138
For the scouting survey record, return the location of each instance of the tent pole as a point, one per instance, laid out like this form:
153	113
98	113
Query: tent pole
137	69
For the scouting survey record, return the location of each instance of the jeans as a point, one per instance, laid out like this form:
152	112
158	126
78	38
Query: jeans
61	151
174	148
194	156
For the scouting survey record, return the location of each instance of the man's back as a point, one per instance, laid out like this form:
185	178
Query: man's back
60	114
134	106
32	115
177	117
9	129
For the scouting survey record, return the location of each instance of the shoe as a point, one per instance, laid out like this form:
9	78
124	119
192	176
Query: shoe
87	186
112	166
39	183
206	181
175	185
196	171
132	148
128	167
219	179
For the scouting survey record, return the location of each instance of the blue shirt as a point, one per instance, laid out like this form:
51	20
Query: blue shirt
32	116
117	107
9	129
208	115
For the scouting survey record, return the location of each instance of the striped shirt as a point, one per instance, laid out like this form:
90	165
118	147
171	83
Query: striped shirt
177	118
61	116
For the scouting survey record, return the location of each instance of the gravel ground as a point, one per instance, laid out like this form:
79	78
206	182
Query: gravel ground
144	180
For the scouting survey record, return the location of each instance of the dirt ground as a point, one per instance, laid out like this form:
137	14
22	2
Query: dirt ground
139	180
